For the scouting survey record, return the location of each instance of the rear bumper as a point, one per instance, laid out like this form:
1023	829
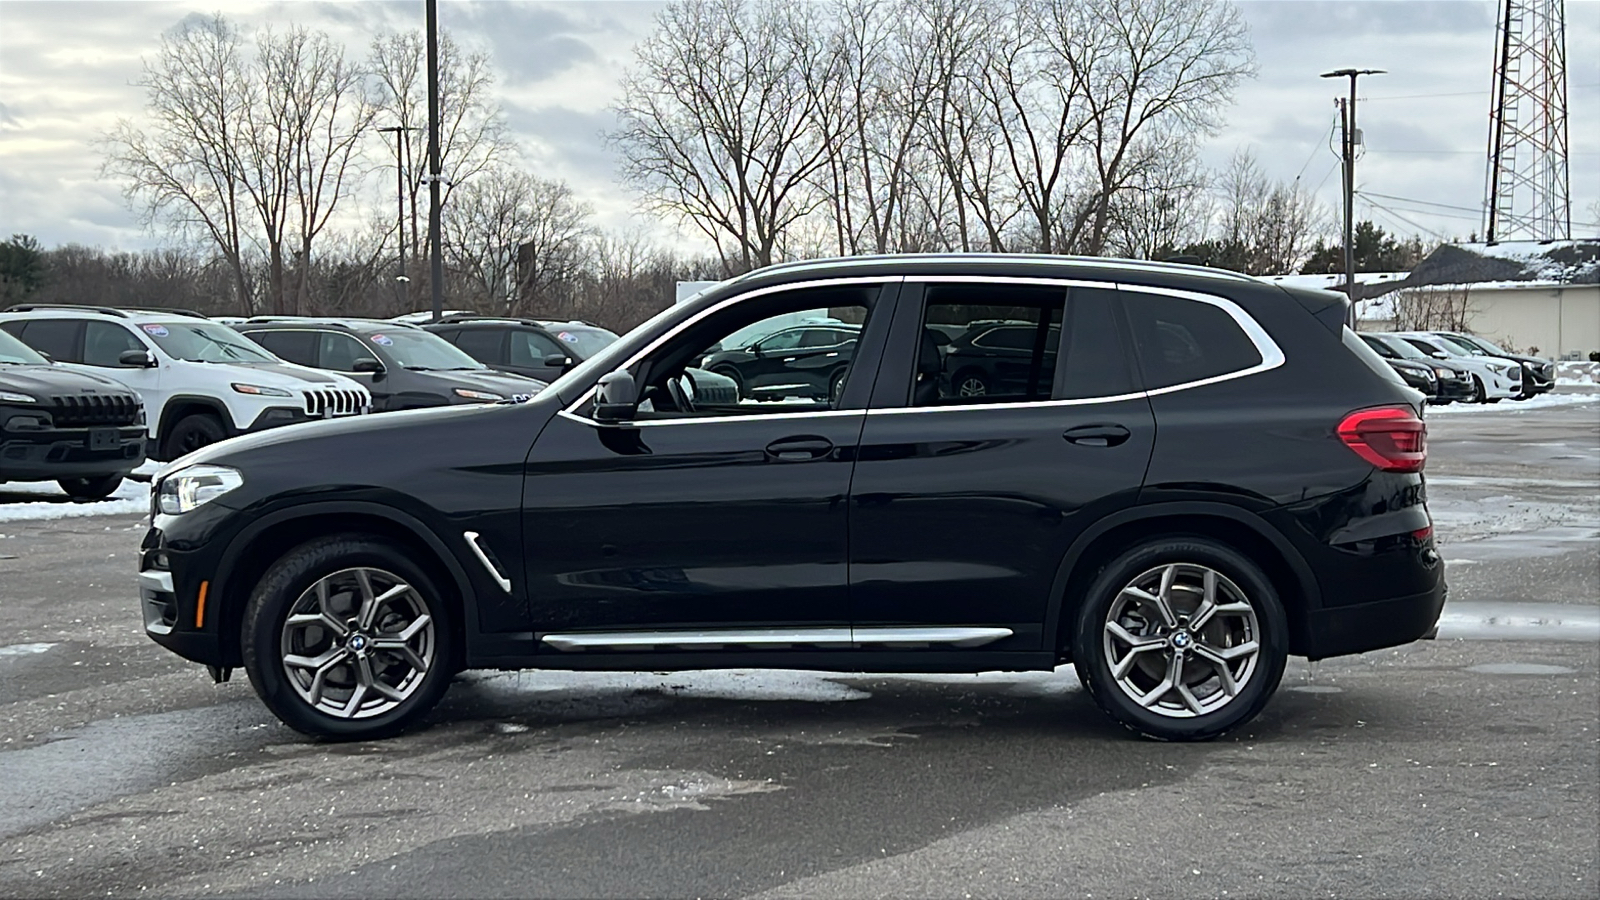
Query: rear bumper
1343	630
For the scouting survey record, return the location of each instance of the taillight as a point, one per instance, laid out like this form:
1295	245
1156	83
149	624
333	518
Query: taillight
1390	437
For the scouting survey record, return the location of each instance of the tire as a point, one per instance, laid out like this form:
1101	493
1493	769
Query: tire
322	700
969	383
1491	399
1203	709
730	372
94	487
190	433
1479	393
836	386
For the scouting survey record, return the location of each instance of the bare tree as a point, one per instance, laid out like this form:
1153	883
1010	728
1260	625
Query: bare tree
255	152
472	133
1146	64
1432	309
517	240
720	124
186	168
1166	208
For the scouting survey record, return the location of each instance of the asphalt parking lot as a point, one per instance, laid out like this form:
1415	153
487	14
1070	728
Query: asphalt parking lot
1468	766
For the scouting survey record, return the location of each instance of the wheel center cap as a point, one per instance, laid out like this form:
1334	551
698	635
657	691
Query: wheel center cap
357	642
1181	640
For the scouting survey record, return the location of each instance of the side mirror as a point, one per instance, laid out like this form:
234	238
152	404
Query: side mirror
137	359
755	350
367	364
616	398
1440	354
557	361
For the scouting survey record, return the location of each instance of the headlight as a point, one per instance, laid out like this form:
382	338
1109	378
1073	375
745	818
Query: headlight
194	486
9	397
470	394
1441	373
261	390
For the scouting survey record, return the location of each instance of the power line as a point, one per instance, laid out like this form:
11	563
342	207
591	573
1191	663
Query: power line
1428	96
1397	216
1423	202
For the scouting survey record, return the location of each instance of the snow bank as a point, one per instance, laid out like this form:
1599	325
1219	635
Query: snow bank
1543	401
132	498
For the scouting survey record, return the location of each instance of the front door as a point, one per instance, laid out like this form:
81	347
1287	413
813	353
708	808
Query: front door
692	517
963	506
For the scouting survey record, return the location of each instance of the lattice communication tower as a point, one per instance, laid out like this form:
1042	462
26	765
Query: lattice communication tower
1527	180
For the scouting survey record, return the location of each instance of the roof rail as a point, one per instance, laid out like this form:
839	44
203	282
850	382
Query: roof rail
80	307
481	317
167	310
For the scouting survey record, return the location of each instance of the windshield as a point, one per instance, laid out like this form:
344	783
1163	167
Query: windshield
586	340
16	353
1484	345
204	342
1402	348
421	350
1462	343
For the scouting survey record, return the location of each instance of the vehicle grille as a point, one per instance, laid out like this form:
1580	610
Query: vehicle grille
333	402
86	410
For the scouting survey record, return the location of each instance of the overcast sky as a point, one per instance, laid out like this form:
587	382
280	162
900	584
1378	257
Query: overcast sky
67	69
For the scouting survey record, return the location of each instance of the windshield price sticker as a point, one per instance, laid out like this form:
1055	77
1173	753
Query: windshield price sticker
568	336
156	330
383	340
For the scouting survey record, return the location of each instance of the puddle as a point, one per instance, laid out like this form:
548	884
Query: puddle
1519	622
1519	669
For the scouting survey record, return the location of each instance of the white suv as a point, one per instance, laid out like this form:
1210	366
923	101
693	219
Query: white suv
200	380
1494	379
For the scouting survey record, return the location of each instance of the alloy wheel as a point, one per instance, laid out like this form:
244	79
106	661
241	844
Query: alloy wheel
358	643
1182	640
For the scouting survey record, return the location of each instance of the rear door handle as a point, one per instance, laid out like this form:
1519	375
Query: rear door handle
799	449
1097	435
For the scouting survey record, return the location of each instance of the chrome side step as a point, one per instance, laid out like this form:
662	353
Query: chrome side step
777	638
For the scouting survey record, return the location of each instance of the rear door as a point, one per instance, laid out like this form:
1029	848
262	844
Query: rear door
963	507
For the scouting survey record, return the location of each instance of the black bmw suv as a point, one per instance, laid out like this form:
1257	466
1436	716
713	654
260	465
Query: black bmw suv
402	365
84	432
1198	475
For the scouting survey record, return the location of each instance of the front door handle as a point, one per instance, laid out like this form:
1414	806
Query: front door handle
1097	435
799	449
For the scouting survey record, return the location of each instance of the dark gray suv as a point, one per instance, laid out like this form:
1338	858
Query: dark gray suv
403	366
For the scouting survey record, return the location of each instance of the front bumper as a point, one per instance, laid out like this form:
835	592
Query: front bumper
179	559
279	416
54	453
1454	389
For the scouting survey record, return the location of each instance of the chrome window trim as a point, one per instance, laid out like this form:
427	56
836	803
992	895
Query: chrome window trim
1020	404
724	304
703	420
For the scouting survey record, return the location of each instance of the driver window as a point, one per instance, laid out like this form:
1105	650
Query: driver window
754	358
339	352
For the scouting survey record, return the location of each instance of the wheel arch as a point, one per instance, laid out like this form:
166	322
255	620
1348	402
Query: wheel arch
180	405
265	540
1237	528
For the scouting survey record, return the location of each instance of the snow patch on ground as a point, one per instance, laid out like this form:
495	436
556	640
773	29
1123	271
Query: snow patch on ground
131	498
1543	401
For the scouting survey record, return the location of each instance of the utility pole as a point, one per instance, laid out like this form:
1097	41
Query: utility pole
1351	136
434	241
403	281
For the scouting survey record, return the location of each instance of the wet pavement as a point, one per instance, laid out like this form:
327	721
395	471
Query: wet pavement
1468	766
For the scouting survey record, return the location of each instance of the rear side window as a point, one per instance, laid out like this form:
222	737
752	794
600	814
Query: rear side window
482	344
61	338
293	346
1181	341
1004	346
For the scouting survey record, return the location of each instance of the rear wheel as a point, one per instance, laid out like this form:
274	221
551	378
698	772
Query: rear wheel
836	387
346	638
192	432
1181	639
96	487
970	383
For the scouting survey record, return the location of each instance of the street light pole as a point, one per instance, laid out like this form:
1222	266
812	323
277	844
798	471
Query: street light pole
403	279
1347	118
433	161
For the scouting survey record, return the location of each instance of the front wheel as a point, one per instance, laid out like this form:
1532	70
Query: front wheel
192	432
97	487
1181	639
1480	394
346	638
